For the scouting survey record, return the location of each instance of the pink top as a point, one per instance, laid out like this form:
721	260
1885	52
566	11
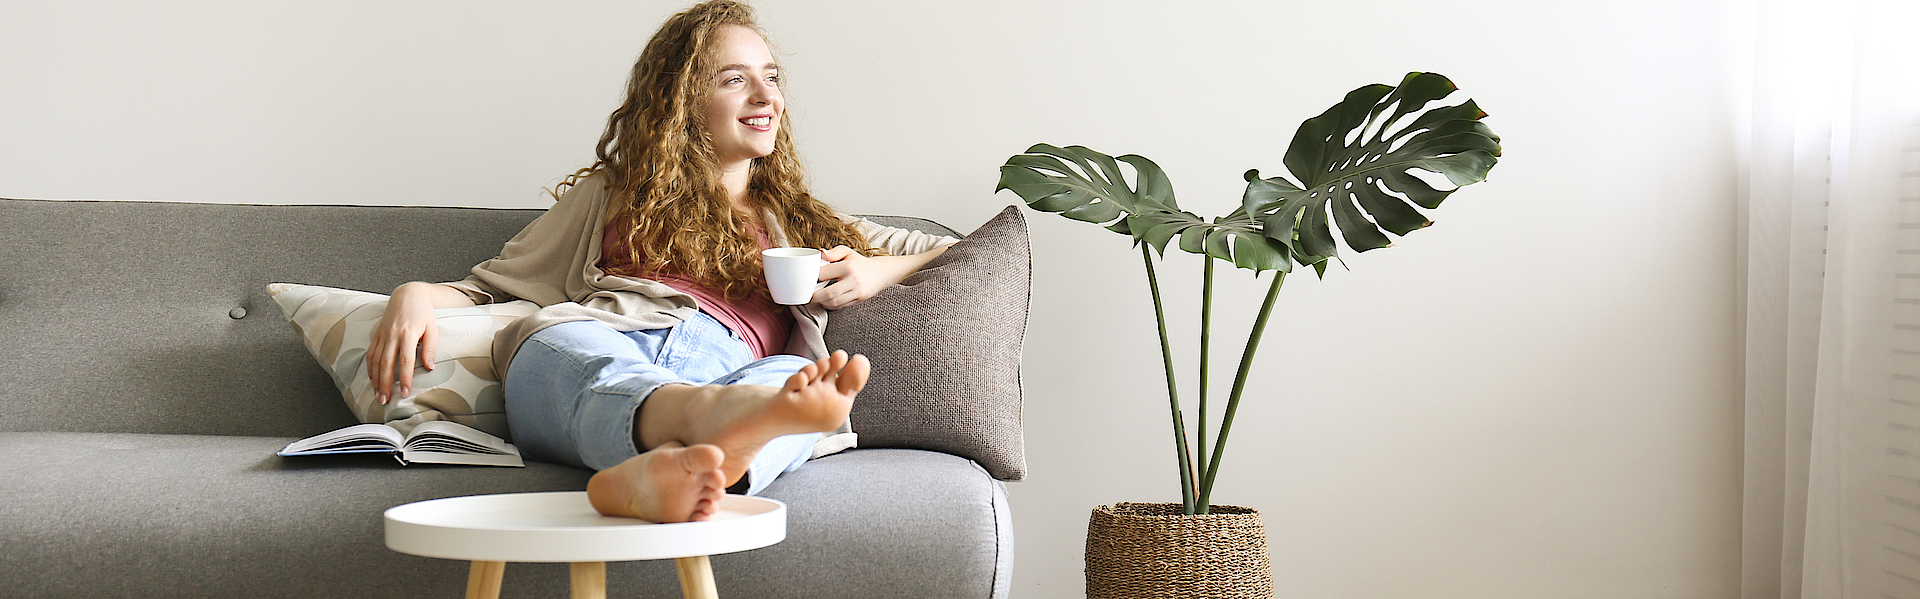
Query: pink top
764	325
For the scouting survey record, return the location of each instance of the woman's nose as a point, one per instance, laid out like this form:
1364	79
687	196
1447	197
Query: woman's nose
765	94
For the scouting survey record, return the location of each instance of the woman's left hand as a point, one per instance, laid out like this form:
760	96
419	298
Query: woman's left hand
857	277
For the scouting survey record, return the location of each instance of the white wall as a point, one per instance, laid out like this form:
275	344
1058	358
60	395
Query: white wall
1535	397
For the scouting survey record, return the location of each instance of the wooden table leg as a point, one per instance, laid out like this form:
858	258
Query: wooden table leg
696	578
483	581
589	580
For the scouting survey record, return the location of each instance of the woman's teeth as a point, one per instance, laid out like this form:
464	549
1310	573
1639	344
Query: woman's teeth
758	121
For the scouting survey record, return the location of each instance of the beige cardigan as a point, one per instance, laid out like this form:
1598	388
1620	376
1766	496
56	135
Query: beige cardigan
553	263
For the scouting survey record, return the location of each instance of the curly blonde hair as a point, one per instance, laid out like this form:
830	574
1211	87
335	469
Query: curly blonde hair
664	177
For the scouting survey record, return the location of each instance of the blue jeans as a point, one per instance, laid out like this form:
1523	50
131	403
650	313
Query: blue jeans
574	390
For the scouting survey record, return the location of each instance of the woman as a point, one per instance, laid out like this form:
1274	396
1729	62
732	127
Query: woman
658	358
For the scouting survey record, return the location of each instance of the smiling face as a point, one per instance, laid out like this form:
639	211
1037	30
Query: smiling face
743	115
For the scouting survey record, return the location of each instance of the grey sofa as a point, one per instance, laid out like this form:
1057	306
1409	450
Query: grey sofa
146	381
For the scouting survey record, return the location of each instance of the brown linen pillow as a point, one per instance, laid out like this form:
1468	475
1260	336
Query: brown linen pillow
945	345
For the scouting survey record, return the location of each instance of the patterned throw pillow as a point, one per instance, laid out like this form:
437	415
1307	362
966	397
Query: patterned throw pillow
945	345
337	325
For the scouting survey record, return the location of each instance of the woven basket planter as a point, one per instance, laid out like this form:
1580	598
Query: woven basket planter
1140	550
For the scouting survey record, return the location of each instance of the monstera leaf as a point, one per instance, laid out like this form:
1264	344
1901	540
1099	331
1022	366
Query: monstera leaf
1358	159
1097	192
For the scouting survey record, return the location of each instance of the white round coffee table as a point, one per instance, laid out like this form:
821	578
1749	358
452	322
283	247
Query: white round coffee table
491	530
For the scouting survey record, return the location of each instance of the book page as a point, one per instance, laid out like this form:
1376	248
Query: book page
426	456
360	438
445	442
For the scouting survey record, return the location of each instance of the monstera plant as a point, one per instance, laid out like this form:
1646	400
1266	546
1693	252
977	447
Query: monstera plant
1357	164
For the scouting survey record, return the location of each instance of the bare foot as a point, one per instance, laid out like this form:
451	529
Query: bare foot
671	483
741	419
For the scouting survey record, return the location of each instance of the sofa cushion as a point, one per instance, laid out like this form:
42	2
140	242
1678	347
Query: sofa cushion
901	522
137	515
153	317
945	345
337	326
134	515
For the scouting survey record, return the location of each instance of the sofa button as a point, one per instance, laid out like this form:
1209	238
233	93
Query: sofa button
237	313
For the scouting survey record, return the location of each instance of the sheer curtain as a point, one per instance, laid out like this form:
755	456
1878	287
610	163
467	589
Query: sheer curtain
1830	248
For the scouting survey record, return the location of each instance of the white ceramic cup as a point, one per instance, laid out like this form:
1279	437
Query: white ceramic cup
792	274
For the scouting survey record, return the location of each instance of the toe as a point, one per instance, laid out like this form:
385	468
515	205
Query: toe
702	459
801	379
854	377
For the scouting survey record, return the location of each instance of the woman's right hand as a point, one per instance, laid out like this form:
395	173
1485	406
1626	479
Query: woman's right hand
405	334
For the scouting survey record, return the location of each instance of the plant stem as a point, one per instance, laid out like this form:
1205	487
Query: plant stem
1239	385
1206	343
1173	395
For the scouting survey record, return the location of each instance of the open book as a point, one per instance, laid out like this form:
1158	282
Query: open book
436	442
